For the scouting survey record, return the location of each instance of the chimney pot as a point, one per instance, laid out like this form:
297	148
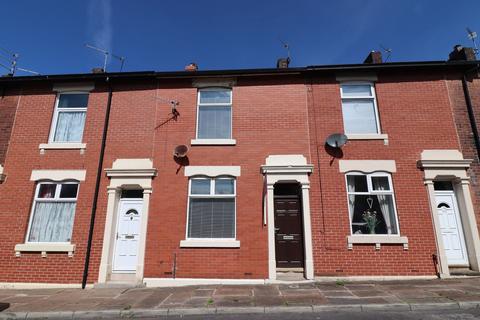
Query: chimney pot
374	57
461	53
191	67
98	70
283	63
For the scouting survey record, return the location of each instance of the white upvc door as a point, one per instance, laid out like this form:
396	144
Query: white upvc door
128	233
451	228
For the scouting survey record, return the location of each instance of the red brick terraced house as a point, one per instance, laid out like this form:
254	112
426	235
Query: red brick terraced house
190	177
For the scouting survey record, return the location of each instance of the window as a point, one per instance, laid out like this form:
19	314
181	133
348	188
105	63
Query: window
211	212
53	212
214	119
371	203
359	109
69	117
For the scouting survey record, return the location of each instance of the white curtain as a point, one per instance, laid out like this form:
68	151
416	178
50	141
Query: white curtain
385	206
70	126
351	197
52	222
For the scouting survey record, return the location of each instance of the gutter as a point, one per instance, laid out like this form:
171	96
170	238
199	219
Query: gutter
471	114
97	185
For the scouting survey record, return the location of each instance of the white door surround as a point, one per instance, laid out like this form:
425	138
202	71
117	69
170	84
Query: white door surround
288	168
126	174
449	165
125	253
451	228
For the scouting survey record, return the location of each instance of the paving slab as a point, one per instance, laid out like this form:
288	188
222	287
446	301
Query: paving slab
268	301
233	291
235	301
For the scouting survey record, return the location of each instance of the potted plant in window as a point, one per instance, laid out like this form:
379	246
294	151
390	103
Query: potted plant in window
370	217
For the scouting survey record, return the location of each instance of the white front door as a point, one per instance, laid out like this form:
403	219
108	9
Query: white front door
128	234
451	228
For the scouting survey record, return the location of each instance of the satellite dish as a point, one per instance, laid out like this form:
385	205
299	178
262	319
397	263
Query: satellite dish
336	140
180	151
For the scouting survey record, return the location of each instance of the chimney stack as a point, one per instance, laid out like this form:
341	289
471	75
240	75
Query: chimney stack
373	57
98	70
461	53
191	67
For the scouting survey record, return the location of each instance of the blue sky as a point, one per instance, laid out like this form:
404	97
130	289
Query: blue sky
166	35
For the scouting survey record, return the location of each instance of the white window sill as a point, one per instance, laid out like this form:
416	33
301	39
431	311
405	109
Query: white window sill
222	142
210	243
368	136
44	247
378	240
62	146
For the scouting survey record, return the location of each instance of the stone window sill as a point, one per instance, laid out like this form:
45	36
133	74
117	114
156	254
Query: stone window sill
378	240
210	243
44	247
206	142
374	136
62	146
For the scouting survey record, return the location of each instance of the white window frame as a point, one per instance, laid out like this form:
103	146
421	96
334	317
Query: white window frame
228	140
372	192
211	195
53	128
373	96
56	198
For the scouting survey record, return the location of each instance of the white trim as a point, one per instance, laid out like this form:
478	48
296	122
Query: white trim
69	87
368	136
367	166
345	77
373	278
62	145
204	142
57	110
210	243
214	82
212	171
215	104
58	175
377	240
372	97
44	247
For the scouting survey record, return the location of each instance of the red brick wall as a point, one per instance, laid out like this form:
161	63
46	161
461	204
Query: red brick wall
414	112
8	105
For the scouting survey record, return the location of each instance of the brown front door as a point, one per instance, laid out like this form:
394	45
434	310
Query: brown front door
288	232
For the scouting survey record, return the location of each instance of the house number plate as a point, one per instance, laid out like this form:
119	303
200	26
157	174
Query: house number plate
129	236
287	237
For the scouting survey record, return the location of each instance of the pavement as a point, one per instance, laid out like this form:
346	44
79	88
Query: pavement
397	296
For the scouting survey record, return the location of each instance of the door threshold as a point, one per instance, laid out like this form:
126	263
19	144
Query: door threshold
290	276
465	271
290	270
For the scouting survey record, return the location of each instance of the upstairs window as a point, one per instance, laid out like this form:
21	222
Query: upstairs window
371	203
69	117
53	212
211	212
359	108
214	116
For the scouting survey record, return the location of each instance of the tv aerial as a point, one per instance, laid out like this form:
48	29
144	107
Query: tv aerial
336	140
472	35
106	55
12	59
388	52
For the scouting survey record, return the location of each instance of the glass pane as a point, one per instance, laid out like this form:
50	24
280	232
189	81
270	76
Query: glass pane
69	190
52	222
357	183
217	96
224	186
214	122
211	218
79	100
69	127
47	190
200	186
442	185
380	183
132	194
356	90
359	116
373	214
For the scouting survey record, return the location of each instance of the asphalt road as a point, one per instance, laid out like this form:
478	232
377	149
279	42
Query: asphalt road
343	315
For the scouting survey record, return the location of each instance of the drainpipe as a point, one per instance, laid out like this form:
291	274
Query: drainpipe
97	186
471	114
